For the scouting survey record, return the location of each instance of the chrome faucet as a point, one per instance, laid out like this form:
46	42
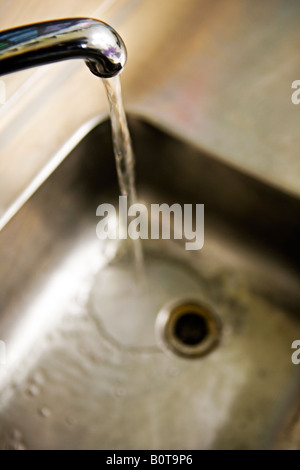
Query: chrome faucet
52	41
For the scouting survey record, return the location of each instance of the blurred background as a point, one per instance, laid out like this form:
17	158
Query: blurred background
219	73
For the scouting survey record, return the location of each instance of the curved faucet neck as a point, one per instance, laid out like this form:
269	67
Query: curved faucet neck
51	41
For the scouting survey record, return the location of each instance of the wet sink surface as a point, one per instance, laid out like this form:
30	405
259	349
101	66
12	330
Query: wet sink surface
84	368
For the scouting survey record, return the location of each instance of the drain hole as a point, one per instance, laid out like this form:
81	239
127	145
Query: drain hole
188	328
191	328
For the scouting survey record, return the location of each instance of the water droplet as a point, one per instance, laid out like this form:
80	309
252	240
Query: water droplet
16	435
120	392
17	440
37	378
32	390
173	372
70	420
45	412
19	446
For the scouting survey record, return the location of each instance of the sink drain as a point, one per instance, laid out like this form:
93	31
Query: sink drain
188	328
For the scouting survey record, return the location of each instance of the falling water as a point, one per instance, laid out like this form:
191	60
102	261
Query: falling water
123	154
121	139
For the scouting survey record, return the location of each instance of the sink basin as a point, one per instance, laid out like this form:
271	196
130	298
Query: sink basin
85	367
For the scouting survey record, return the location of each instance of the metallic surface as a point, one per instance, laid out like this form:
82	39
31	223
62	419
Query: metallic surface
167	320
57	40
81	374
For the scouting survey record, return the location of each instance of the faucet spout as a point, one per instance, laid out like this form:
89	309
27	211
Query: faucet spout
51	41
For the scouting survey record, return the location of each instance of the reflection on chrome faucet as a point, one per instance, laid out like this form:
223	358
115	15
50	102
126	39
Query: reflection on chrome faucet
38	44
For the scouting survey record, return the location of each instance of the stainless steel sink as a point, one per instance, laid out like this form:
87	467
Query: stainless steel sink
85	369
